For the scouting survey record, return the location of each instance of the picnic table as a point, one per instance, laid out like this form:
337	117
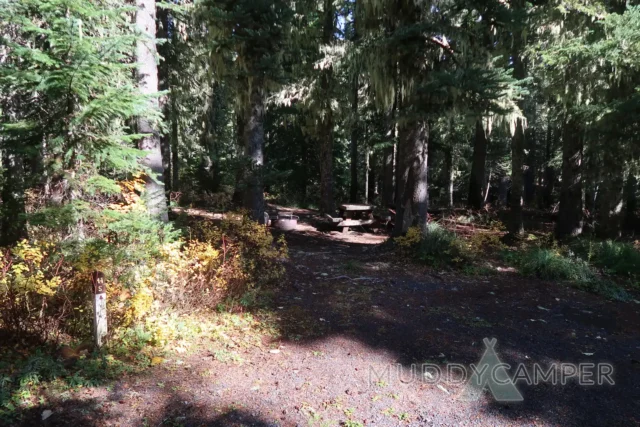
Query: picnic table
355	215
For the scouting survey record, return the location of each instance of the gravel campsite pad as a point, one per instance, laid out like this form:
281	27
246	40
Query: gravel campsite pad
351	323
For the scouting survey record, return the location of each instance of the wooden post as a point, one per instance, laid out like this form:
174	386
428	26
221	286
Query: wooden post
99	307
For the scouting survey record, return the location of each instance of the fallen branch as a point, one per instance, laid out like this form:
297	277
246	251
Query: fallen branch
353	278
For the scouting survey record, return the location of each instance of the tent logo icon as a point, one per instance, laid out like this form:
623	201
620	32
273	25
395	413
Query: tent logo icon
491	373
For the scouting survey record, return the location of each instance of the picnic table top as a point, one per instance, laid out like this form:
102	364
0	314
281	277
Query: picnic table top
355	207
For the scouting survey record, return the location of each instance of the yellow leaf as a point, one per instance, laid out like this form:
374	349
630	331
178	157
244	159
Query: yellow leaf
156	361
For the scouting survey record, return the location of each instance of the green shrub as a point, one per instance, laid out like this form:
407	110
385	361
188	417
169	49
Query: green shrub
612	257
605	288
549	264
436	245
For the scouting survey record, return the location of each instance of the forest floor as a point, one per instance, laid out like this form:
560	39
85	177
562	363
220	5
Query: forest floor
336	342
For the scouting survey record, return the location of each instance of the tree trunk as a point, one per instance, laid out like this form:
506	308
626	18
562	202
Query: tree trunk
326	164
631	200
421	173
240	171
478	165
530	172
162	33
353	194
517	179
148	81
611	196
570	220
485	199
515	225
503	190
12	223
165	147
549	172
387	175
175	157
326	121
254	153
372	179
367	168
411	177
448	176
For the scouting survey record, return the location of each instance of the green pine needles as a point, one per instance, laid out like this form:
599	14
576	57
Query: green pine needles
68	98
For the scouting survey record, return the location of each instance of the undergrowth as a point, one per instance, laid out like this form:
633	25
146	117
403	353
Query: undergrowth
595	266
435	246
166	295
36	375
562	264
614	258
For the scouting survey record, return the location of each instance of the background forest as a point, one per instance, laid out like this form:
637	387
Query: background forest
407	104
518	116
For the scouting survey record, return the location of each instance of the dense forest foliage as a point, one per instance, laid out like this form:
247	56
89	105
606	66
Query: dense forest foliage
410	104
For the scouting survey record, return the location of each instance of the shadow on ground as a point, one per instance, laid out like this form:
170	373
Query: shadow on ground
353	290
87	413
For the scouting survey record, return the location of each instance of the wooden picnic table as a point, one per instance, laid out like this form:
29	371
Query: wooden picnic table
355	215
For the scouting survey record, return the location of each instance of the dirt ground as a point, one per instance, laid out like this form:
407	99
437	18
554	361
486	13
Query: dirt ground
353	321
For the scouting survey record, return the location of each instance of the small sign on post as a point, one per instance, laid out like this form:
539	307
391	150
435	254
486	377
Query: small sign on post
99	307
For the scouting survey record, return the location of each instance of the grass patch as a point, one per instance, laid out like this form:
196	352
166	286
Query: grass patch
549	264
35	375
41	377
615	258
478	270
554	264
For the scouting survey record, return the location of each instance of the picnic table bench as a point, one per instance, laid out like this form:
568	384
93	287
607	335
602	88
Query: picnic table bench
353	215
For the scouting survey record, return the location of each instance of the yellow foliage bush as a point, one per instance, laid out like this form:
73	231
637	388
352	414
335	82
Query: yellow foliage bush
220	261
31	279
46	292
411	239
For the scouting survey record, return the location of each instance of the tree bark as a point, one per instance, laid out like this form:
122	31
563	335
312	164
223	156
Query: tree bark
162	33
570	219
517	179
475	199
12	222
326	121
353	193
254	153
12	209
367	169
631	200
326	166
611	196
503	190
372	180
549	172
389	159
530	172
515	225
238	191
421	173
485	199
148	82
175	157
411	176
448	176
388	173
